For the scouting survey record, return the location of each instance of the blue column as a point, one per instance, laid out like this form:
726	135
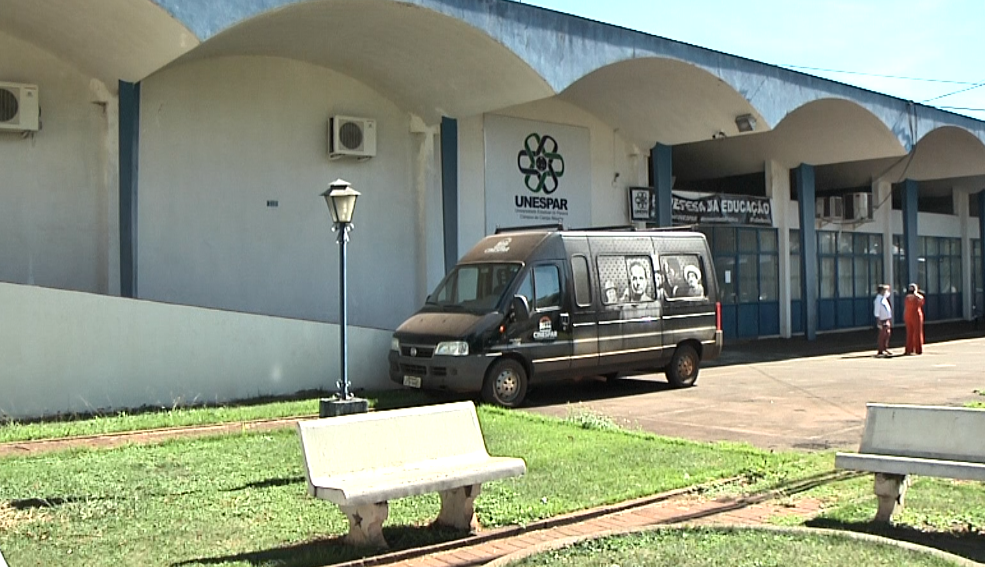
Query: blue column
449	189
910	239
661	165
129	159
981	236
804	182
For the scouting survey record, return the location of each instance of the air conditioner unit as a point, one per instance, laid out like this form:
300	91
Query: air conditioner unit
828	208
19	110
858	206
351	137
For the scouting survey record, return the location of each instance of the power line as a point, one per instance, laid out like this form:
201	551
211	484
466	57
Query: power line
975	84
956	92
962	108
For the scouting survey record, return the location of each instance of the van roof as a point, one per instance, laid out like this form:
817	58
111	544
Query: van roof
519	245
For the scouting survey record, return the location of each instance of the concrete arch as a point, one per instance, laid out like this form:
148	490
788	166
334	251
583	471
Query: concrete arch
821	132
834	130
109	40
553	52
948	151
427	62
656	99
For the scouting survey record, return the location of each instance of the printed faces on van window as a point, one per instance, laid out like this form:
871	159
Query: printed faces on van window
680	276
625	279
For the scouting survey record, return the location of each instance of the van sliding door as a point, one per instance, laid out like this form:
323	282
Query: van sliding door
629	310
584	324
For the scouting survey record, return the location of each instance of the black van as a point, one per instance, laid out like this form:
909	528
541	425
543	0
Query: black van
534	306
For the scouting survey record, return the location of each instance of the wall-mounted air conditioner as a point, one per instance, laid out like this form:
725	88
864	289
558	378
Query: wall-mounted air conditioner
829	208
858	207
19	110
351	137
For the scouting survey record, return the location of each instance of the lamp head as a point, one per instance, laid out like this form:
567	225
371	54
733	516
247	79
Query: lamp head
341	200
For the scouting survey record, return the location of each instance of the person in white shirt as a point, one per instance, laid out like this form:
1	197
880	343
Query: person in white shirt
883	312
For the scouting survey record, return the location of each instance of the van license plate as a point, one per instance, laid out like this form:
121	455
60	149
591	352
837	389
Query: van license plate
412	381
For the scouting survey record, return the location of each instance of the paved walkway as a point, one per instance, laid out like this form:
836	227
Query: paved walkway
676	507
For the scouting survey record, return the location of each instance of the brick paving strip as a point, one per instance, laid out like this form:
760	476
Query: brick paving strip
683	506
110	440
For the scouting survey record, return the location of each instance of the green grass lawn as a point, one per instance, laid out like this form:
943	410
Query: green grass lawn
240	499
729	548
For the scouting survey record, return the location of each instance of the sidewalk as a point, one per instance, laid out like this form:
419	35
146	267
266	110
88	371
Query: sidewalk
675	507
836	342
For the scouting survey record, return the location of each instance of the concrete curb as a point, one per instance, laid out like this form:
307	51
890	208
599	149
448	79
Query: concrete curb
507	560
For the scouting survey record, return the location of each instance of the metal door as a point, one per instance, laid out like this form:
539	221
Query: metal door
544	338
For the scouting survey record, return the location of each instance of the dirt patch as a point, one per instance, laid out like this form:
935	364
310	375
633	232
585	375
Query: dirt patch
11	517
111	440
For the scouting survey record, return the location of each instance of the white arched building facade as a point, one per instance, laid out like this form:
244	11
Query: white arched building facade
163	241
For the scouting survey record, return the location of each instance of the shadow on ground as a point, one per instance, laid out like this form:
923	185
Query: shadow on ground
970	545
776	349
595	388
328	551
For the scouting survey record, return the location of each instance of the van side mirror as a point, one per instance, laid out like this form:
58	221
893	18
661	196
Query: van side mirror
520	308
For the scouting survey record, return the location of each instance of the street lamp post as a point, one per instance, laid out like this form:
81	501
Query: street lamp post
341	200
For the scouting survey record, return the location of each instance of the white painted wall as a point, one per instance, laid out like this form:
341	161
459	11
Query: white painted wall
610	155
59	187
934	224
221	137
79	352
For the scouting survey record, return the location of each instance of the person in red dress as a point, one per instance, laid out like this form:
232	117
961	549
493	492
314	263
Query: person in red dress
913	318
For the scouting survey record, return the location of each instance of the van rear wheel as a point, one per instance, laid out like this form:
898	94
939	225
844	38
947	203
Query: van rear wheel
505	384
683	369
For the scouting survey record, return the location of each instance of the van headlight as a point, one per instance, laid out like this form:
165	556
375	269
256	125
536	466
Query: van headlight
395	344
452	348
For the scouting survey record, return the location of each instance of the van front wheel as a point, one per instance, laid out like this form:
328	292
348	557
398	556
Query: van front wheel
505	384
683	369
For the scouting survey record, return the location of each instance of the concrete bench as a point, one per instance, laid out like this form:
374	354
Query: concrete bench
359	462
902	440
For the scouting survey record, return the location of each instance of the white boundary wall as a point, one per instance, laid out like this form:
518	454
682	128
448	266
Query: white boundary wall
65	351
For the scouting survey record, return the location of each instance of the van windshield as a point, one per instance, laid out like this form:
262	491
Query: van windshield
475	288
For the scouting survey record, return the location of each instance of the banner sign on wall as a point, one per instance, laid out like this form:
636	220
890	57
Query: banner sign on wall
536	173
721	208
702	208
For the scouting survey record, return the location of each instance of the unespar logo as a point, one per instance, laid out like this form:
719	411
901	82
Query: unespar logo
542	166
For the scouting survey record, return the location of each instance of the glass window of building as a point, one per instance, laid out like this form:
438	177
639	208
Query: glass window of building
939	274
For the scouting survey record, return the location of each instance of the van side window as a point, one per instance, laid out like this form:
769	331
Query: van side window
583	287
683	276
625	279
526	288
547	287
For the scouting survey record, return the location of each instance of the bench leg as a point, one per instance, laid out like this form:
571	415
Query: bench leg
366	524
458	508
890	488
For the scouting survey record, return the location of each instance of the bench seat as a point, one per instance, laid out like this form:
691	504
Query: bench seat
360	462
887	464
355	489
902	440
